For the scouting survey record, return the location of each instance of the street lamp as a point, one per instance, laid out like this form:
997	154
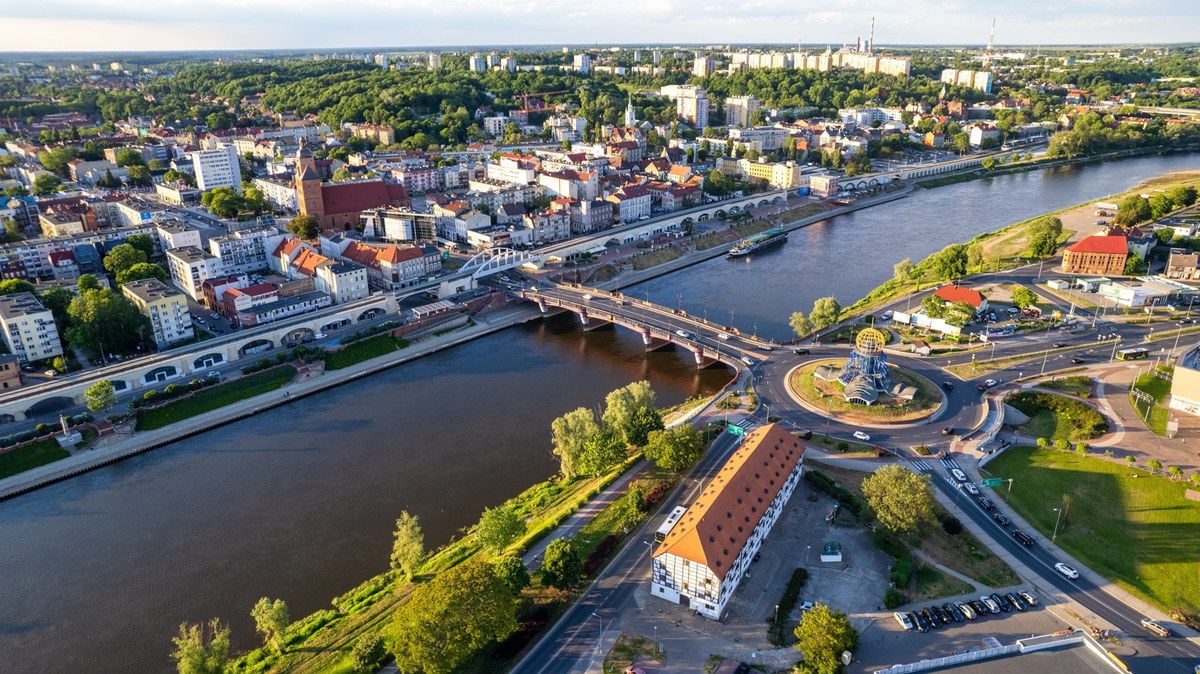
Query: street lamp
807	549
1054	536
600	637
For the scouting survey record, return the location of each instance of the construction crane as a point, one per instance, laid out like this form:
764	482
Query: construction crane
525	97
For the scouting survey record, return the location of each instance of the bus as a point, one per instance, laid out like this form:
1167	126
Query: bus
669	524
1132	354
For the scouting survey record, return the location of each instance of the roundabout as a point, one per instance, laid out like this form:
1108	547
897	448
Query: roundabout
863	387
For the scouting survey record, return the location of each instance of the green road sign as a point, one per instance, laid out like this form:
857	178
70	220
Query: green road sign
993	482
736	430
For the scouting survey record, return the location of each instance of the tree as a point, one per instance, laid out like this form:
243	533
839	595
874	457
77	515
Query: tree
123	257
368	653
901	499
602	452
512	571
142	270
562	567
12	231
1175	472
934	306
621	405
86	283
451	618
959	314
105	322
570	433
130	158
825	312
156	165
498	527
1134	265
143	242
304	226
341	174
1062	444
1130	460
100	396
408	548
823	635
57	300
46	183
1043	235
13	286
902	271
1023	297
197	652
800	323
988	163
676	449
271	620
138	176
1081	448
1132	210
951	261
1154	464
975	257
1182	196
645	421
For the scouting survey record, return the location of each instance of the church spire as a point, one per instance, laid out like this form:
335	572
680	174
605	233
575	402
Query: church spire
630	114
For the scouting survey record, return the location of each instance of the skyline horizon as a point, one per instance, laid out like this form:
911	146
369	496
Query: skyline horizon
225	25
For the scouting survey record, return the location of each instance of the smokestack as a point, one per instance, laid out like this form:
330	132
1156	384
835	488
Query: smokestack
858	43
871	39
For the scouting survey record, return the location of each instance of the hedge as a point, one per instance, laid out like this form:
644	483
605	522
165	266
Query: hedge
855	503
776	623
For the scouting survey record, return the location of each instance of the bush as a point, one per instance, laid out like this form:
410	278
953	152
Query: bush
843	446
42	429
893	599
1086	422
922	450
901	570
368	653
150	395
777	622
951	525
855	503
173	389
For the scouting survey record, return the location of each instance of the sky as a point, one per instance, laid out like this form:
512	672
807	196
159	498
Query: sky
182	25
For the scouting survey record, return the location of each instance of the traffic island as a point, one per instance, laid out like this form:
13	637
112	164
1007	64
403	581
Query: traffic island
828	396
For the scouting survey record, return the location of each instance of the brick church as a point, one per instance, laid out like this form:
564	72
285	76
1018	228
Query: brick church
337	206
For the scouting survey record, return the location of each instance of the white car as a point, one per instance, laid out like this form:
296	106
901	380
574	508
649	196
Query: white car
1066	570
903	620
990	603
958	475
971	488
887	316
588	297
859	435
320	335
724	337
684	333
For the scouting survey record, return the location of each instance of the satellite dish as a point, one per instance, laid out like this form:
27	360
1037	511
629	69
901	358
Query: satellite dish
846	657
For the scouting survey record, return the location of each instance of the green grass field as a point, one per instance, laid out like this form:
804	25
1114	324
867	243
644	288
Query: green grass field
1077	385
1133	528
366	349
1158	389
31	456
206	400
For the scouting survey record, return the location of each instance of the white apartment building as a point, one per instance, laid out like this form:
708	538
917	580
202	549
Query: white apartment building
767	137
740	110
582	62
166	307
281	194
174	234
510	170
705	555
495	125
975	79
702	66
190	267
343	281
218	167
246	250
691	102
28	328
477	64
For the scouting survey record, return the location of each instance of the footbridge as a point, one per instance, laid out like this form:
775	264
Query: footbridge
659	327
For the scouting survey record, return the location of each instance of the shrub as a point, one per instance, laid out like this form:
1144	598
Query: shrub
923	450
893	599
150	395
855	503
902	570
1085	421
173	389
777	621
42	428
951	525
842	445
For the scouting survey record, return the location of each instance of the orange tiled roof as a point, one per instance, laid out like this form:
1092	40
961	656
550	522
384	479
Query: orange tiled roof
952	294
1113	245
715	528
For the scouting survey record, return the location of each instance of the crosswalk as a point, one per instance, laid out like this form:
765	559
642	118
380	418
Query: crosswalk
922	466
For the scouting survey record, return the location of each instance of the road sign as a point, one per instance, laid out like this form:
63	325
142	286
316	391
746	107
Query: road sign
736	430
993	482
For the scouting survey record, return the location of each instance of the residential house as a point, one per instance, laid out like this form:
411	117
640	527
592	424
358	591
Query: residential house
10	372
190	267
588	217
389	267
1183	265
633	202
246	250
548	226
166	307
953	294
706	554
175	234
28	328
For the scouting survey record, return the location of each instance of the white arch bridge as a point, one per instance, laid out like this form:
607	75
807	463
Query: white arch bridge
495	260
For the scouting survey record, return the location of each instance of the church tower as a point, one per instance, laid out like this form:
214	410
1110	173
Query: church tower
308	184
630	114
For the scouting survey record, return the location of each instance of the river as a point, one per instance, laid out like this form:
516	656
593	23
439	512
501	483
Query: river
848	256
299	503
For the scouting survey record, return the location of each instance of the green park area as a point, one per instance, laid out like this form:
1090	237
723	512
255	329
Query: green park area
828	395
209	399
1057	417
1076	385
365	349
1130	526
1153	386
31	456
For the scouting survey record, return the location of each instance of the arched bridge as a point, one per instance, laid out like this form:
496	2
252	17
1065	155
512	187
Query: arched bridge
496	260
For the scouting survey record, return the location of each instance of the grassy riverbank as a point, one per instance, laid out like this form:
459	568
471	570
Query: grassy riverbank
209	399
32	455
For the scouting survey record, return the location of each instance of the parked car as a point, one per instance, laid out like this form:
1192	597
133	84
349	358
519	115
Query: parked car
903	620
954	612
967	611
1016	601
985	503
981	609
1157	628
320	335
971	488
1029	598
1001	519
932	617
999	599
943	615
1023	538
1066	570
991	605
213	374
922	622
859	435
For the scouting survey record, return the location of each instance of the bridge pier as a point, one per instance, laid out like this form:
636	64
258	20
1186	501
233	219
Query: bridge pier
542	306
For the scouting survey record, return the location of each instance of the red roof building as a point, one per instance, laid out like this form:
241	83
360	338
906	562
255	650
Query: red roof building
954	294
1098	255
